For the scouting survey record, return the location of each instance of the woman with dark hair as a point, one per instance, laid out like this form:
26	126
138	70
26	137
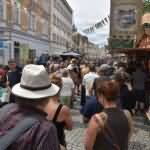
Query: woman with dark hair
103	132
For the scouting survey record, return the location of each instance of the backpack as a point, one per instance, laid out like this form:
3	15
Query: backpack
13	134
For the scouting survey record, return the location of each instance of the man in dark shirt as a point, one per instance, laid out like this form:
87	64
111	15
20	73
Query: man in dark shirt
13	76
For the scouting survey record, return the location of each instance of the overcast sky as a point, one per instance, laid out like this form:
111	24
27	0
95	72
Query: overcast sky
89	12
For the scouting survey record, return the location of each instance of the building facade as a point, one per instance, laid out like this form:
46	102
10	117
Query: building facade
29	28
125	23
82	44
94	51
61	27
24	29
143	40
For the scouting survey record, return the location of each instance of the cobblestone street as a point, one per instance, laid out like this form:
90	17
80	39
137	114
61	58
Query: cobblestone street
139	141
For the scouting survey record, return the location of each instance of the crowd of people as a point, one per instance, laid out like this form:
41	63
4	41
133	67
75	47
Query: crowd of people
36	103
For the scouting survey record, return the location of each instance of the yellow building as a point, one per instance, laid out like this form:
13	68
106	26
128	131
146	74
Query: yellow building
125	26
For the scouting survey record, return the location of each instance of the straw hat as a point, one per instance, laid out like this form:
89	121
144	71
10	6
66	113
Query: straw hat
35	84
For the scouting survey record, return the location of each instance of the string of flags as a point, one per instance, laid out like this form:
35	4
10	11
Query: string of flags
98	25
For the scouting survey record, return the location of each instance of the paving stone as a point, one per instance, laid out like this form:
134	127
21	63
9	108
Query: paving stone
140	139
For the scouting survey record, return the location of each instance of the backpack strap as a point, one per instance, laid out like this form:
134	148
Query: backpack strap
57	112
101	120
13	134
5	110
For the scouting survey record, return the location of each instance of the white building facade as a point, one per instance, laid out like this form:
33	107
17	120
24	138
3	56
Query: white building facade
61	27
24	29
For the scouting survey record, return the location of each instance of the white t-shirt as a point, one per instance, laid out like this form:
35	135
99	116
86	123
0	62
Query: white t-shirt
88	80
67	86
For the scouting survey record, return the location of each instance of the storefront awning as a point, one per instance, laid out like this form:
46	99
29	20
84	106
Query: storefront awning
132	50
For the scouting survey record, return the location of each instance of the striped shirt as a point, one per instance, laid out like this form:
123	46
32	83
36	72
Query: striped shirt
41	136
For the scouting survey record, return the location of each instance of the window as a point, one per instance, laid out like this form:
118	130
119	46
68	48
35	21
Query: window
1	9
54	37
45	29
30	20
46	5
33	22
16	13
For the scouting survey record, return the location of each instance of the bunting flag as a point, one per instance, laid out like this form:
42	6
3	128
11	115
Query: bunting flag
98	25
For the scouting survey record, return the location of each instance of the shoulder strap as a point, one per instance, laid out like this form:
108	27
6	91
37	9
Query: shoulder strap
110	136
6	109
15	133
57	112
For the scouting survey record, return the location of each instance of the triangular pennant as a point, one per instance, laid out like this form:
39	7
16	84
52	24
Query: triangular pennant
106	19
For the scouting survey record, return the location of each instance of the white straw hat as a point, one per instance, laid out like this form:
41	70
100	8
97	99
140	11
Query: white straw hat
35	84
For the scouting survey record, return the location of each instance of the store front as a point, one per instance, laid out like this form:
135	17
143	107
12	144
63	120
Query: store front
26	48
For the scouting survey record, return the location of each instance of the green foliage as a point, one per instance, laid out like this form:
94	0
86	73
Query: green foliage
147	6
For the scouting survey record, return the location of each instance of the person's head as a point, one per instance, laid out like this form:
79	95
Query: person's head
121	77
35	88
12	64
92	68
61	66
6	68
65	73
100	72
56	79
106	70
73	61
107	91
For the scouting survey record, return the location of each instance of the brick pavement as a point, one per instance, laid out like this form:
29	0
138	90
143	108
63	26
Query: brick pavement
139	141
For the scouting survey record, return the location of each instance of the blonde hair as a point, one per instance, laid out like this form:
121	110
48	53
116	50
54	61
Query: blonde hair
73	61
55	79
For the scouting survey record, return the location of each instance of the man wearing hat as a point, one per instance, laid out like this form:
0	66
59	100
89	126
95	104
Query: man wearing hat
26	120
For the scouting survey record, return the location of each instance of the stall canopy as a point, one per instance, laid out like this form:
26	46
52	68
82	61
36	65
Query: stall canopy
132	50
71	54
